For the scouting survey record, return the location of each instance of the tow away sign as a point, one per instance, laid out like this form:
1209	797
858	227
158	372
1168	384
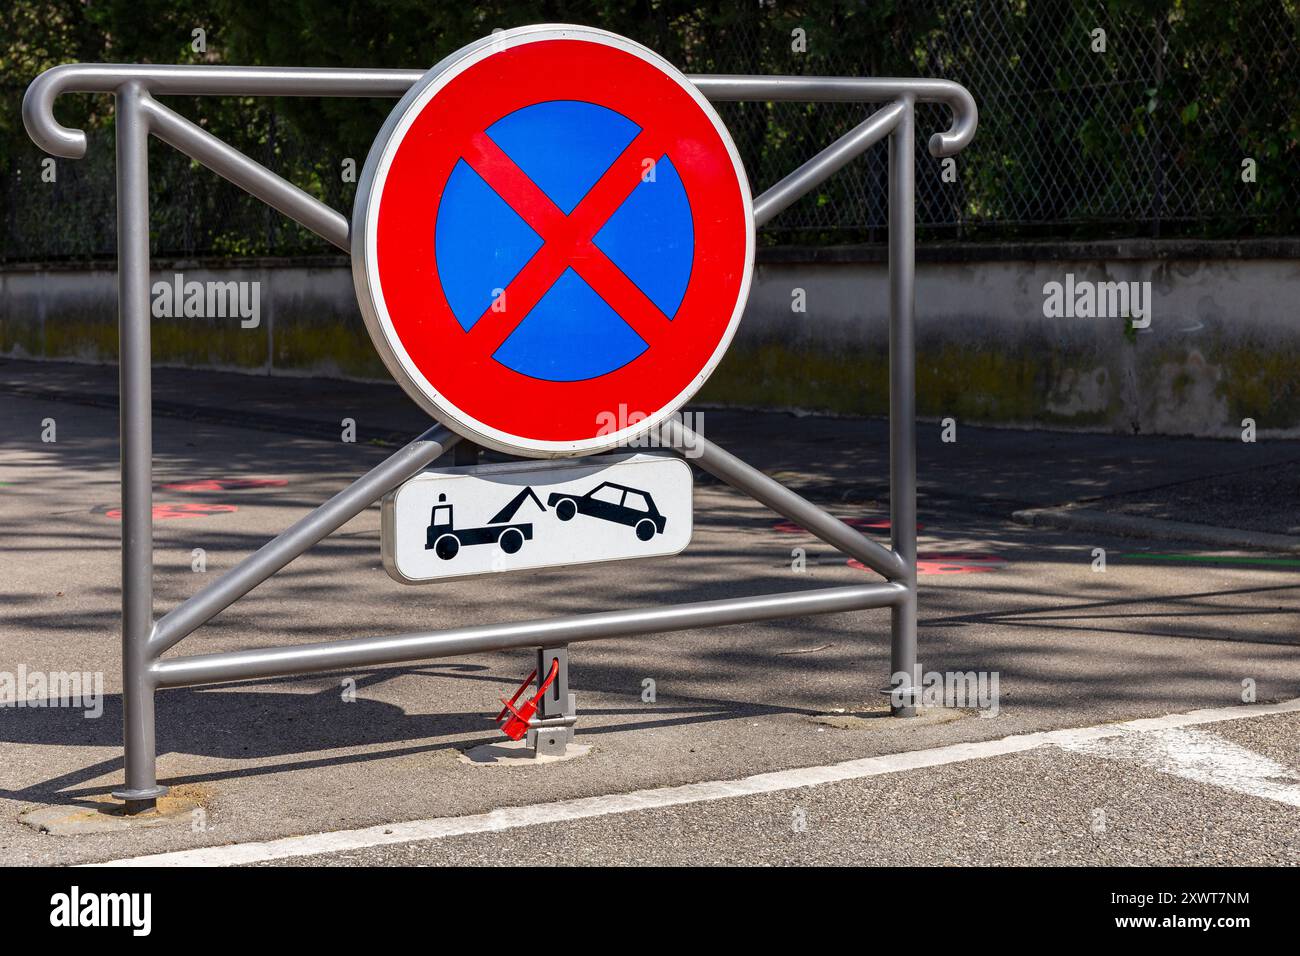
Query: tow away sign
453	522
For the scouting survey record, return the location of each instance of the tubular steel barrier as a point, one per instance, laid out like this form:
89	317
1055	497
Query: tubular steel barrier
145	640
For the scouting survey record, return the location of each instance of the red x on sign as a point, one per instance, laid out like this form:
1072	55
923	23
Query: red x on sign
553	231
567	240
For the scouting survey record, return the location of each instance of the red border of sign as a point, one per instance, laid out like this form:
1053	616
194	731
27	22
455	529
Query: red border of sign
526	412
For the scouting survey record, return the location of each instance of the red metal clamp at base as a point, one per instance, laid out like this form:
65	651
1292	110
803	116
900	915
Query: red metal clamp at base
516	725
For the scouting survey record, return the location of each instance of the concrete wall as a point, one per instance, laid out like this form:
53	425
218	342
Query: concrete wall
1223	344
309	323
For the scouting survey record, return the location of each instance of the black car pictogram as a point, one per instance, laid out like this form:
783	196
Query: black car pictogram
610	502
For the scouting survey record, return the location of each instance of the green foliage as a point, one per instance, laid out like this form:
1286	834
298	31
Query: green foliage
1149	135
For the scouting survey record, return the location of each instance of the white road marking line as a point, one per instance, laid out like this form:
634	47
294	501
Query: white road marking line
1202	757
511	817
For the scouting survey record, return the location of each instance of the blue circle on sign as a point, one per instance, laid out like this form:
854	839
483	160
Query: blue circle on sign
481	243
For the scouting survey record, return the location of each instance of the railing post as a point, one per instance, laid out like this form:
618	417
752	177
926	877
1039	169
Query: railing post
902	402
141	789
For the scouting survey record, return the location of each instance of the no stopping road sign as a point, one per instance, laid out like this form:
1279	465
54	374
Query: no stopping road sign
552	225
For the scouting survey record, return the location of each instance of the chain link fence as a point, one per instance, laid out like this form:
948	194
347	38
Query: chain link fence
1096	120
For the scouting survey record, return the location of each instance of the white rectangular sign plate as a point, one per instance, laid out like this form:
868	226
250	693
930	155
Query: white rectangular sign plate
478	519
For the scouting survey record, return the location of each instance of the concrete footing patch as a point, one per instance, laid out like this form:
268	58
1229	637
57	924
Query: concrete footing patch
103	814
517	753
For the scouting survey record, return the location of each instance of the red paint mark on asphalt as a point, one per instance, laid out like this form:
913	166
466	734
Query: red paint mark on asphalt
861	524
169	512
936	563
225	484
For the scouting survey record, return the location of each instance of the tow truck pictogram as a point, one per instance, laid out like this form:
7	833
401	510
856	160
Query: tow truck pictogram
446	540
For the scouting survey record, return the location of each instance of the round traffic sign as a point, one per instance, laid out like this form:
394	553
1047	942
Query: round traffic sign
553	240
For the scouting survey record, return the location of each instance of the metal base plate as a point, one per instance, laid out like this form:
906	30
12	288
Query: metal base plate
139	801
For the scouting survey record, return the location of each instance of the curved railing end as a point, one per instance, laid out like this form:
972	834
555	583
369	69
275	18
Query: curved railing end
965	118
38	113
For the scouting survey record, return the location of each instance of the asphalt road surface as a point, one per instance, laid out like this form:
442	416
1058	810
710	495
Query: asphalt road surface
1161	630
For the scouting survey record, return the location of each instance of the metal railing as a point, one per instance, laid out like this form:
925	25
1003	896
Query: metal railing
144	640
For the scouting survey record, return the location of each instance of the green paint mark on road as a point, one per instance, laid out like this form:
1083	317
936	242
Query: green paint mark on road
1218	559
